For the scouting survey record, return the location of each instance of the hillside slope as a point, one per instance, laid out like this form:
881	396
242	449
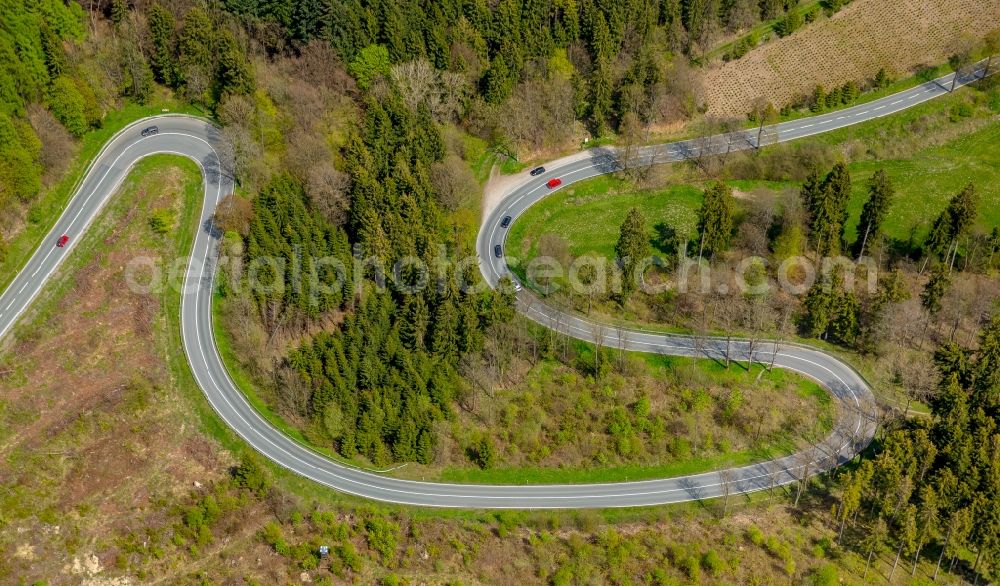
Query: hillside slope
900	35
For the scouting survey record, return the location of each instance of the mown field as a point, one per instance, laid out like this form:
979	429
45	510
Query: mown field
586	216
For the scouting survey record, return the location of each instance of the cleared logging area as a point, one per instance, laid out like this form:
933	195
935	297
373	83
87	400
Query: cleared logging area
900	35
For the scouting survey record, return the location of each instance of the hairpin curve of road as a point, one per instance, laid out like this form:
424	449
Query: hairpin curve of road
202	142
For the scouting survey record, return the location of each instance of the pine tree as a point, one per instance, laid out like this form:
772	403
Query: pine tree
743	14
874	541
715	219
631	249
413	326
235	75
444	332
935	289
162	34
119	10
839	183
953	223
601	98
498	81
874	212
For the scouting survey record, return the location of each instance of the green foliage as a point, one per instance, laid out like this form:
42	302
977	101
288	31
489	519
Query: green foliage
382	536
163	34
790	23
20	173
825	575
162	220
67	105
370	63
713	563
251	475
715	219
831	310
953	223
632	249
294	236
874	212
234	73
482	453
826	202
935	289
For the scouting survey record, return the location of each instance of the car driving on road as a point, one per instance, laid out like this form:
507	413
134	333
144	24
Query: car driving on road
62	241
537	171
151	130
505	222
553	183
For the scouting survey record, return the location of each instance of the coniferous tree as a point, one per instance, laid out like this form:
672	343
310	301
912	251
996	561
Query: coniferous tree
163	37
631	249
715	219
953	223
874	212
935	289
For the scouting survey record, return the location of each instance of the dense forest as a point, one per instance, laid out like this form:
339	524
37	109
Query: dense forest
34	70
937	481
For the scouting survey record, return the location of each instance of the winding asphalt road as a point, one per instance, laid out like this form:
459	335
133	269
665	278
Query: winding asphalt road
201	141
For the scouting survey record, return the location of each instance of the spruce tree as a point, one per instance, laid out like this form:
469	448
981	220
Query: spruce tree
874	212
715	219
163	36
631	249
935	289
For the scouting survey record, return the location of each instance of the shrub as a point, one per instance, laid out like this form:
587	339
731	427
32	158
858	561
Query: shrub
690	566
349	556
482	453
959	111
250	474
825	575
712	562
382	536
162	220
67	105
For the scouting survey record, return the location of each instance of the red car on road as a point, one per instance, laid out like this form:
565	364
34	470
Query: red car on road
553	183
62	241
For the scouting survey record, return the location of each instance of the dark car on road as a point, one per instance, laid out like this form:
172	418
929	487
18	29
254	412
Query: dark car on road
151	130
505	222
62	241
537	171
498	251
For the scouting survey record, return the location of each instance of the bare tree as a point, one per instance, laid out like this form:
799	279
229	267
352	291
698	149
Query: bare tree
328	191
418	83
731	309
234	214
804	466
725	482
774	471
453	182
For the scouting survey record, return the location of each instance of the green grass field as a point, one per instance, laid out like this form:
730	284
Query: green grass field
588	215
925	182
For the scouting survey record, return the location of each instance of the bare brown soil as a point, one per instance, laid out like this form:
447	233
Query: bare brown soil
900	35
93	430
